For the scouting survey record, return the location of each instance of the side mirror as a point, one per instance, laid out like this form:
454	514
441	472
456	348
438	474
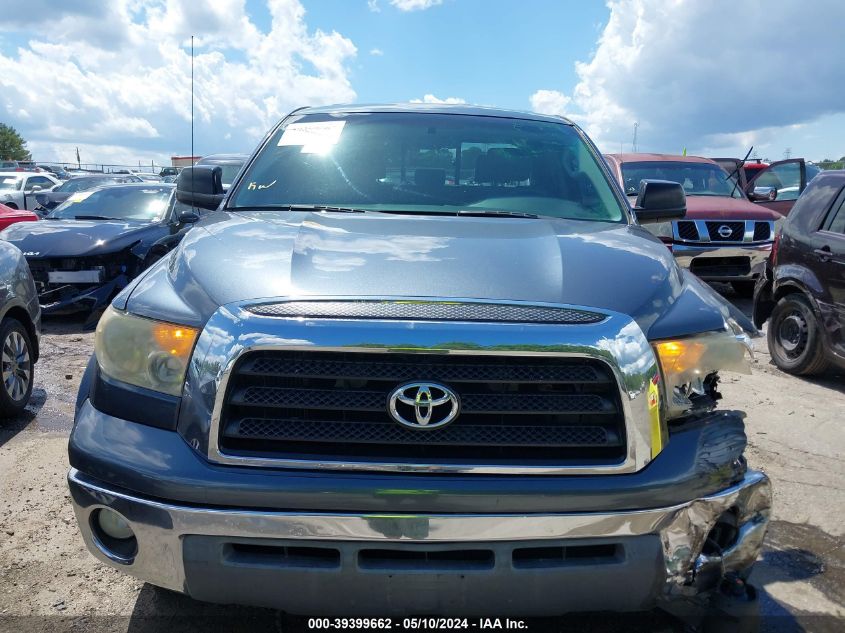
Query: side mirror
201	186
660	201
760	194
35	188
188	217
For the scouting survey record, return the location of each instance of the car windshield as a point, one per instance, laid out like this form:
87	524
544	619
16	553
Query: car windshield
430	163
697	179
81	184
145	204
10	182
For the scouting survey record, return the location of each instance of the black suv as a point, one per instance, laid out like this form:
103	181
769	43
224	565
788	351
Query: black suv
803	290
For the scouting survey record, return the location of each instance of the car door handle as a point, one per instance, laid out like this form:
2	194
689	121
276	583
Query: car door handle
823	252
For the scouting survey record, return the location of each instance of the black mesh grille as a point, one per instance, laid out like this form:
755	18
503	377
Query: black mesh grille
688	231
425	311
762	231
716	228
476	434
333	406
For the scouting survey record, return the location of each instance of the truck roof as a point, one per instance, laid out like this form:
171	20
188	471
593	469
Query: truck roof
647	158
434	108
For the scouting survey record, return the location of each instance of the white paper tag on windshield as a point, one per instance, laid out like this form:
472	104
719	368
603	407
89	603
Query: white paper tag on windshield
314	137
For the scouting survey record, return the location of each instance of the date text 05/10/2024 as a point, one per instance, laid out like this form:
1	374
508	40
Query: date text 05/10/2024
414	624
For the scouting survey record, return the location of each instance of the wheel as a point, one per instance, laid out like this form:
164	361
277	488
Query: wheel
11	205
795	339
744	288
15	367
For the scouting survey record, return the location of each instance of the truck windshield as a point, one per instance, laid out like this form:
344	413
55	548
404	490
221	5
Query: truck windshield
697	179
429	163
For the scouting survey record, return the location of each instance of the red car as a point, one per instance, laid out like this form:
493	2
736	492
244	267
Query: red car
724	236
9	216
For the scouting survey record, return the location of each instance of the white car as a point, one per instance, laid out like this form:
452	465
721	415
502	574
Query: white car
18	188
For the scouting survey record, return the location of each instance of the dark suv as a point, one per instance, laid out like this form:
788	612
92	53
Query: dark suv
803	290
420	360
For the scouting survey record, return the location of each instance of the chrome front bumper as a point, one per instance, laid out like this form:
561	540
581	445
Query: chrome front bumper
757	254
162	529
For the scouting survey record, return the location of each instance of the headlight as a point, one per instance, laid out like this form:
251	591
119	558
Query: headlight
143	352
686	362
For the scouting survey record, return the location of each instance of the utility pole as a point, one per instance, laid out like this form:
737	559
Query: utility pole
787	153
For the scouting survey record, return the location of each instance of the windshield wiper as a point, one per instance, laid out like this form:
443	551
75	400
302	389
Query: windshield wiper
93	217
300	207
497	214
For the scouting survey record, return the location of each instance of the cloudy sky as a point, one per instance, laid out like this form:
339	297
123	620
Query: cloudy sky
113	78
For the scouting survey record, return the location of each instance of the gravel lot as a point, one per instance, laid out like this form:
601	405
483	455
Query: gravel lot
48	581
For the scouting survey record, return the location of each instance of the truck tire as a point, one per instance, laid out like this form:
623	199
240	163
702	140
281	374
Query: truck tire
795	338
16	367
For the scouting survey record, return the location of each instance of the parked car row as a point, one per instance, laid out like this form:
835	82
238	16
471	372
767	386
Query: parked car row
96	232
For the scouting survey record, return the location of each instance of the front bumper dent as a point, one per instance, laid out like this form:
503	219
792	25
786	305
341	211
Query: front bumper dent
241	555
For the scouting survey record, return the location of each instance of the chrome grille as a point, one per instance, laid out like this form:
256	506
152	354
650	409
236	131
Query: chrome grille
707	231
333	406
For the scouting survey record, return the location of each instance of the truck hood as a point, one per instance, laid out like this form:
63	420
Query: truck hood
232	257
74	238
724	208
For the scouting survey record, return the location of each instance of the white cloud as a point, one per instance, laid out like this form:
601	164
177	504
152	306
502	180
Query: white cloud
694	76
549	102
372	5
429	98
118	74
415	5
377	52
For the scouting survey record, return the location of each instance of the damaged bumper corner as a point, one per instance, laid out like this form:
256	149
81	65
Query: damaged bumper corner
695	559
67	299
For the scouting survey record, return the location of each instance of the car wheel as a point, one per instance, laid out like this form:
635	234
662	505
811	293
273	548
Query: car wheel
744	288
795	340
15	367
11	205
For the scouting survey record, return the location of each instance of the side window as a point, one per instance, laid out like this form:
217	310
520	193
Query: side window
836	222
785	178
41	181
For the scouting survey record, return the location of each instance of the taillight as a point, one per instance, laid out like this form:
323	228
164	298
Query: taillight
775	243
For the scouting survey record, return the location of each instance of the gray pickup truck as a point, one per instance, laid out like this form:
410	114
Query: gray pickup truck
420	360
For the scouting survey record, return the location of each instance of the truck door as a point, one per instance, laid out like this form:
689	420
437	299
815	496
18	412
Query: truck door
787	177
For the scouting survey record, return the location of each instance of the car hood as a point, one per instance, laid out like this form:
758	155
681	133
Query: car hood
233	257
74	238
724	208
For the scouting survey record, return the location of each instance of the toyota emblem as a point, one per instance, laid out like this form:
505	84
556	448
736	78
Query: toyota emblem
423	405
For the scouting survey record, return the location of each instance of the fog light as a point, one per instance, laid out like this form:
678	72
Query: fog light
114	525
